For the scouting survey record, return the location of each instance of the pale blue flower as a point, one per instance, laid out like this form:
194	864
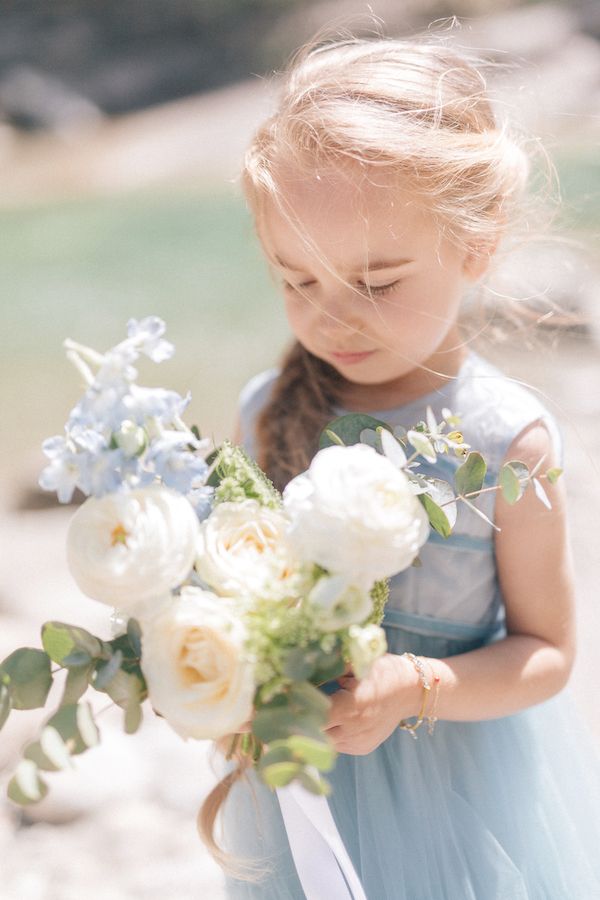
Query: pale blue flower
147	335
102	473
180	470
202	500
62	476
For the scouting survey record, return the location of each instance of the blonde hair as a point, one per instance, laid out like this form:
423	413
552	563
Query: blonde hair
417	108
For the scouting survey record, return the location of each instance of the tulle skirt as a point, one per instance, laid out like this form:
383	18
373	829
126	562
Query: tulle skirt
505	809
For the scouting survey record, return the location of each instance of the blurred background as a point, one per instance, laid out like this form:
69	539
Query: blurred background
122	129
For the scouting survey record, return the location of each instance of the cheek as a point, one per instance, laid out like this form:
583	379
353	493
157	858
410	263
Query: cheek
299	315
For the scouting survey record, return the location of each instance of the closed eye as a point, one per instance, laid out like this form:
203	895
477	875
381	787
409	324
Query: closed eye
370	290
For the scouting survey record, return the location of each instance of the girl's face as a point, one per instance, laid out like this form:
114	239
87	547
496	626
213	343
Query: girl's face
396	319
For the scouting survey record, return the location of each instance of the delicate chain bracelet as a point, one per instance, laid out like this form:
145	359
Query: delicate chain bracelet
427	687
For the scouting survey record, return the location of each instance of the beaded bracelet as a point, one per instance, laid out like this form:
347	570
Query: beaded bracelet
411	727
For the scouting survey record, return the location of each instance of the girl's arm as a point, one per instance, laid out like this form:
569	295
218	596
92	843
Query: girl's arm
531	664
536	578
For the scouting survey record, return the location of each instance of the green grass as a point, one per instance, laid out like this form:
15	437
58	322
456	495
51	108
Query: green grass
81	269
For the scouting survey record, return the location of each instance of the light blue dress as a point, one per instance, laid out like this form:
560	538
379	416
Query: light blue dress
504	809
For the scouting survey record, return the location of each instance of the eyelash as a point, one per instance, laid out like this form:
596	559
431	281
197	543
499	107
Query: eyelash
377	291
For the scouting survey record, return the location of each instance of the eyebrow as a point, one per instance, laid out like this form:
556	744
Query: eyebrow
373	266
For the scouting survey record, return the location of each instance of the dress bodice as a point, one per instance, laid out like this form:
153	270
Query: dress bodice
452	602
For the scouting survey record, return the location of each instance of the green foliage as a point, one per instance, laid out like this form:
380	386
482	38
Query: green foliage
470	476
422	445
379	595
553	475
512	489
75	724
236	477
26	786
5	704
437	517
69	645
27	676
346	430
76	683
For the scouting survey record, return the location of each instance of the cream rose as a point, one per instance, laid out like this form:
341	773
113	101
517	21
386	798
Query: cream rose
126	549
366	645
338	604
353	513
243	550
198	675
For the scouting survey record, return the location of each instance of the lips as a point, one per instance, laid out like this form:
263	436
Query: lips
354	357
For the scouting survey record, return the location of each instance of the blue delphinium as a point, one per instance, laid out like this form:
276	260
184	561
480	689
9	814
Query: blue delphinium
120	435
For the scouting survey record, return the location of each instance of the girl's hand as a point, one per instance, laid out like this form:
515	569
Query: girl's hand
364	713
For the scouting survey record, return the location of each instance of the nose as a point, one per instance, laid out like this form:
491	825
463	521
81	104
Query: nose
337	313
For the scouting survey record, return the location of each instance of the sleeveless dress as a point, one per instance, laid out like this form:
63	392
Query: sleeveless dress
502	809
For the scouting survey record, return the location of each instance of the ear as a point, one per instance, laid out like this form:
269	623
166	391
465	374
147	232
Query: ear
477	259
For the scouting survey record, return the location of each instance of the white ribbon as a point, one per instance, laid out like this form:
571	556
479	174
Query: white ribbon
322	862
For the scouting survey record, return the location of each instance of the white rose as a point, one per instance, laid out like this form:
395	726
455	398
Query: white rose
127	549
366	645
243	550
195	666
353	513
339	604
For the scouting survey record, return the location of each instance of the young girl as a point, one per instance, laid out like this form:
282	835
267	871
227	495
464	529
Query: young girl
381	188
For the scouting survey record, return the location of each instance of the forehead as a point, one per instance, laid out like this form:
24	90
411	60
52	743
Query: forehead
345	214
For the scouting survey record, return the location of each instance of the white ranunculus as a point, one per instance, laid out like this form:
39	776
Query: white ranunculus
353	513
338	604
195	666
365	646
243	550
127	549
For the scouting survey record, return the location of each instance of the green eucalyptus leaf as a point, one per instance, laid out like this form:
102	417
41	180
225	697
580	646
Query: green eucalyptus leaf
510	484
309	778
306	698
421	443
320	754
63	642
76	683
393	449
29	677
442	494
134	633
278	752
437	517
348	428
26	786
329	668
553	474
541	493
279	774
299	663
105	672
35	753
126	688
75	725
133	718
55	749
5	704
469	477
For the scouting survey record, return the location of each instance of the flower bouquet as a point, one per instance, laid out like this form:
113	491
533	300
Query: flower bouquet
231	603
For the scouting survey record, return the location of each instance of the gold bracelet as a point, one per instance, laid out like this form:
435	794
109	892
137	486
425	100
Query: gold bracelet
431	717
411	727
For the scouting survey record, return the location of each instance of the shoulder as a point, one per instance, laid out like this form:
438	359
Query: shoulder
253	397
501	415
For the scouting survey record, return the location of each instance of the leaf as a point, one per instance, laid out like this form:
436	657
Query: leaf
5	704
26	786
279	774
442	494
299	663
70	645
307	698
348	428
320	754
431	422
134	633
370	438
541	493
76	683
334	438
437	517
469	477
125	688
107	671
55	749
553	475
392	448
134	714
76	726
421	443
29	677
310	779
510	484
35	753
